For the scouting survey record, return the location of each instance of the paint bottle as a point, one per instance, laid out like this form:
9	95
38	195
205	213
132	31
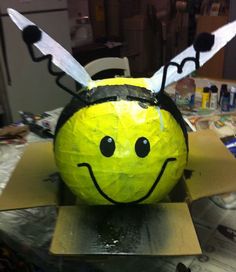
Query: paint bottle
205	97
198	97
232	97
213	97
223	89
225	101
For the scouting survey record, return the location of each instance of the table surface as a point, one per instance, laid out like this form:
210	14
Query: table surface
33	229
30	231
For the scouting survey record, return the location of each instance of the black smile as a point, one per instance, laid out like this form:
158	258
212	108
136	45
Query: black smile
131	202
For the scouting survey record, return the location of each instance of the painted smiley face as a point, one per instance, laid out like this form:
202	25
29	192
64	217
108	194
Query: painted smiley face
120	153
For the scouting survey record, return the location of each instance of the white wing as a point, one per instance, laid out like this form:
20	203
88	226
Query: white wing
61	58
222	36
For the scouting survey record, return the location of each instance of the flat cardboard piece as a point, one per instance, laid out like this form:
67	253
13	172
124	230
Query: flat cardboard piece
163	229
29	185
214	167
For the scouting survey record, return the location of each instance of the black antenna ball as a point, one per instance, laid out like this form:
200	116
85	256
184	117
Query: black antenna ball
204	42
31	34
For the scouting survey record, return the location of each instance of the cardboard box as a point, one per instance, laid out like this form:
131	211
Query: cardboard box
144	230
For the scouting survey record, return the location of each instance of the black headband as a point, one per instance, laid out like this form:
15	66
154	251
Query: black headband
108	93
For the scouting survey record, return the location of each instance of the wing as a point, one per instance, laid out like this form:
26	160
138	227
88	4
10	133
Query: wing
60	57
222	36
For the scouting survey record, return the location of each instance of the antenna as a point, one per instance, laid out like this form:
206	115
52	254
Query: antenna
32	34
203	43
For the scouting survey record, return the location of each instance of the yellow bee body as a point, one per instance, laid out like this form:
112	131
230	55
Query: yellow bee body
120	152
121	140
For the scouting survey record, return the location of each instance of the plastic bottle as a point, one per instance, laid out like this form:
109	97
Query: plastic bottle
213	97
83	34
225	101
205	97
232	97
223	89
198	97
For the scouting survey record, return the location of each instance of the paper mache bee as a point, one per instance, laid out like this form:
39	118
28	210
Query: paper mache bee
121	140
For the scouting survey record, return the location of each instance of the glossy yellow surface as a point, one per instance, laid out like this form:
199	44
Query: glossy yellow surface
124	177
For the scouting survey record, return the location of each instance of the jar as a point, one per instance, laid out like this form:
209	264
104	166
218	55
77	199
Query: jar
185	93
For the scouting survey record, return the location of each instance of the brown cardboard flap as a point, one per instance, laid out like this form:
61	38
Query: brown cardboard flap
163	229
27	186
214	167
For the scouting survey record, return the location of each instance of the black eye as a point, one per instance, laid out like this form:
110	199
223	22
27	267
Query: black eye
142	147
107	146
